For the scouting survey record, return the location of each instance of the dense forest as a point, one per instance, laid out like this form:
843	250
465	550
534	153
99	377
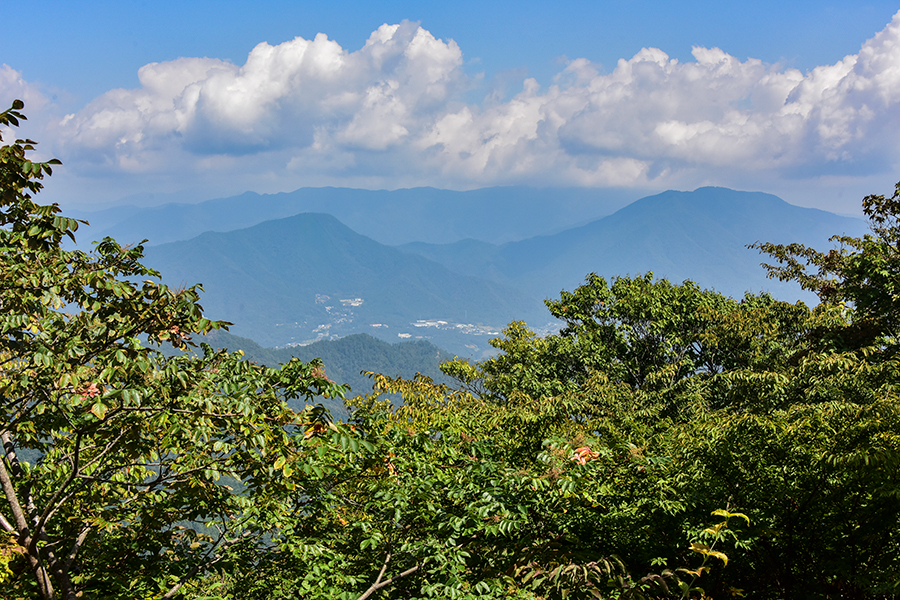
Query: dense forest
669	441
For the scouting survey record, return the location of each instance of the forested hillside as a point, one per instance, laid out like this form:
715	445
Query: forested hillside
347	360
669	441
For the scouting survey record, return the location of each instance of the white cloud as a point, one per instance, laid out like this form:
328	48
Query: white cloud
715	112
281	97
393	111
12	87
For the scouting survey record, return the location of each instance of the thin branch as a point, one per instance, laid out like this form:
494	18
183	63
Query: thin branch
374	586
168	478
70	559
13	499
51	508
109	447
7	525
24	537
382	584
197	413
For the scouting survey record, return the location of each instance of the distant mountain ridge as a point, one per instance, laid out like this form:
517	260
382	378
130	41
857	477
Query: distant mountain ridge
497	214
700	235
309	277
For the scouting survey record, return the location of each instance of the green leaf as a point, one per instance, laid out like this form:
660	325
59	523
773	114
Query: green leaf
99	410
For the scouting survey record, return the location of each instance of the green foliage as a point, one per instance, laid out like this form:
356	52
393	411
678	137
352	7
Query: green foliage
863	273
434	503
718	402
109	448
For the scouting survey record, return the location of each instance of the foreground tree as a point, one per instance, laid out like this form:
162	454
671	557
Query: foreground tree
110	448
788	414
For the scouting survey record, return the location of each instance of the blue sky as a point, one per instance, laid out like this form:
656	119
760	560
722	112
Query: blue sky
800	99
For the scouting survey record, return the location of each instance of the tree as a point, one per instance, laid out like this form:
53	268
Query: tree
862	275
110	449
692	401
647	336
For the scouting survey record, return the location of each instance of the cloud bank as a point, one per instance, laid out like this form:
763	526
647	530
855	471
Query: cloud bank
395	111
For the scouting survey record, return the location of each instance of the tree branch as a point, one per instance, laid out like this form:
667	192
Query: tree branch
6	524
383	584
51	507
29	540
10	491
24	537
70	559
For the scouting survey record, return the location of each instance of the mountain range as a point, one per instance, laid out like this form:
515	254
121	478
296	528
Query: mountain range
309	277
701	235
498	214
457	280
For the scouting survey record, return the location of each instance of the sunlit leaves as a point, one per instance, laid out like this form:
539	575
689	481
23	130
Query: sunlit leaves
117	446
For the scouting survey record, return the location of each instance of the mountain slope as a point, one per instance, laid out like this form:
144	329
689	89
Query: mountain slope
309	277
700	235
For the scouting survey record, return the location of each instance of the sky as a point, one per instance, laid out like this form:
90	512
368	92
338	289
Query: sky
187	101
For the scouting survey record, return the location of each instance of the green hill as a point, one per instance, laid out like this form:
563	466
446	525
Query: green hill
346	359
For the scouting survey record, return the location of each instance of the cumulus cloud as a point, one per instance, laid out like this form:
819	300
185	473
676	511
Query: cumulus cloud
395	107
13	86
283	96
